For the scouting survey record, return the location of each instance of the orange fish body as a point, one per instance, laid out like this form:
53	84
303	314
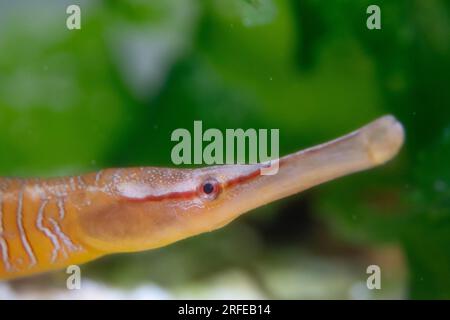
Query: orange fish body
39	227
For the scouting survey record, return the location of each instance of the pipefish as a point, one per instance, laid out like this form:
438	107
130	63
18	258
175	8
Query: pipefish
48	224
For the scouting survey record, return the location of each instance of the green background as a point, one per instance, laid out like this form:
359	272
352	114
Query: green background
111	93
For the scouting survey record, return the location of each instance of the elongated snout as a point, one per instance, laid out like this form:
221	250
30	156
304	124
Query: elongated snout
370	146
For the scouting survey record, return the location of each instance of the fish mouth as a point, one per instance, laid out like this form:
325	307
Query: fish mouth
385	136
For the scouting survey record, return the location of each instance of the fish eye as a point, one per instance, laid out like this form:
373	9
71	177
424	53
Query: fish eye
210	189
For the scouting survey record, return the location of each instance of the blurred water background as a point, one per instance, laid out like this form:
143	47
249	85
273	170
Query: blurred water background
111	93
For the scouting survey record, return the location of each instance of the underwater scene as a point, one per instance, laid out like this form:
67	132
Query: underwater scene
224	149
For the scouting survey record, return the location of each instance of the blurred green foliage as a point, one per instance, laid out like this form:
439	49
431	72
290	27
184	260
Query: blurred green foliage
111	93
